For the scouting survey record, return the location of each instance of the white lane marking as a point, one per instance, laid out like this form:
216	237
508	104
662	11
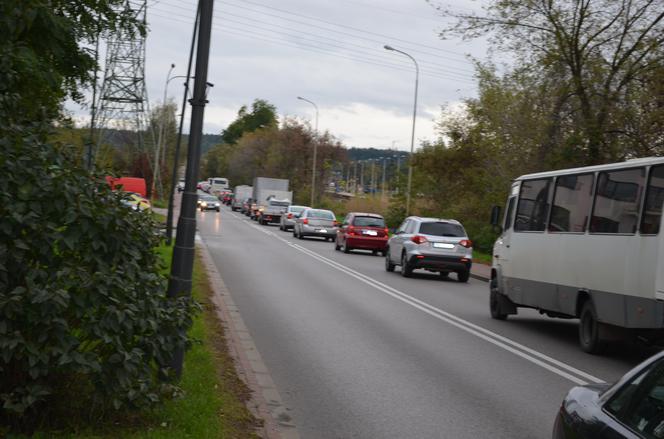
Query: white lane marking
558	367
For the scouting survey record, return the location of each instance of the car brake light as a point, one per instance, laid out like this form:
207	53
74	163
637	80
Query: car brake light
290	215
305	221
386	231
466	243
417	239
351	230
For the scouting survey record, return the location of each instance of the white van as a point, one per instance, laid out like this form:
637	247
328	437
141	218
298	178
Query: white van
585	243
218	184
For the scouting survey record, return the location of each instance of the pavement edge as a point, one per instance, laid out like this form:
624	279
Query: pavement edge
266	403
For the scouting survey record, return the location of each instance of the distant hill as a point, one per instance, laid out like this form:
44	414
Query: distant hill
372	153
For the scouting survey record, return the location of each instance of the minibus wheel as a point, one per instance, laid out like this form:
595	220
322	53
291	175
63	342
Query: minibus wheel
494	299
589	330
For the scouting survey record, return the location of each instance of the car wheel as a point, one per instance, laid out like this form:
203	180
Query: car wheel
218	209
346	249
374	252
336	245
299	236
294	233
444	274
406	269
494	298
389	266
463	276
589	337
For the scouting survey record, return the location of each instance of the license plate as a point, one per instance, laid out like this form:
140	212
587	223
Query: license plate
322	231
371	232
443	245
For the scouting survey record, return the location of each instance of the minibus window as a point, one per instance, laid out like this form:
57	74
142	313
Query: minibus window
652	211
617	201
571	203
534	200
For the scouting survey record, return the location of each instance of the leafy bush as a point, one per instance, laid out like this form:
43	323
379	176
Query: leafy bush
82	303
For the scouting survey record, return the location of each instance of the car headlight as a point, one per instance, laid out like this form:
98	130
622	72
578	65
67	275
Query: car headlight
204	204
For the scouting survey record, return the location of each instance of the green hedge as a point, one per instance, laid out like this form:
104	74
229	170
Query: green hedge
82	302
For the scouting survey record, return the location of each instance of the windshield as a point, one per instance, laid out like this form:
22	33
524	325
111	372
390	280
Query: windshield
368	221
322	214
221	181
442	229
208	198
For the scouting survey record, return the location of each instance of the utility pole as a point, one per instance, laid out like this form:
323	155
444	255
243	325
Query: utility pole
355	178
362	175
176	159
382	189
183	253
373	176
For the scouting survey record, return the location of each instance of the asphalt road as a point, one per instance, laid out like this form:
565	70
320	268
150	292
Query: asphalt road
357	352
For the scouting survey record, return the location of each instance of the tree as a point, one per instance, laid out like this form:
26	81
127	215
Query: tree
262	115
594	53
46	55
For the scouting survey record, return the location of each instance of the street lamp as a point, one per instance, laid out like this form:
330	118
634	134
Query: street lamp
313	173
155	173
412	136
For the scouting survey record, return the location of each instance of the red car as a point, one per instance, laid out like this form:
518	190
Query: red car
362	231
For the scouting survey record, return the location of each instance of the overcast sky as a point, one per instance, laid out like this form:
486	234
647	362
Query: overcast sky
329	51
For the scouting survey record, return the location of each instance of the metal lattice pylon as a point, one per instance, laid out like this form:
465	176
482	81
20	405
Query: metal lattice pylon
123	100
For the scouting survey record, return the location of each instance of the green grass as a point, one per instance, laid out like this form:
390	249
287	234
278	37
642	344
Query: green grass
158	202
481	257
213	401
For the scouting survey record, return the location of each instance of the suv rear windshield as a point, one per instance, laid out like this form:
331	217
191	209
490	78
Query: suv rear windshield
368	221
442	229
322	214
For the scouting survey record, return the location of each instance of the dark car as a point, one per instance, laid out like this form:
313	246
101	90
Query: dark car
632	408
365	231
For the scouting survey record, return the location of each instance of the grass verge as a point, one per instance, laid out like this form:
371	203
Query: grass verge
214	398
481	257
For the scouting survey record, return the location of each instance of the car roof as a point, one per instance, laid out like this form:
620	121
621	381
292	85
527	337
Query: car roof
372	215
427	219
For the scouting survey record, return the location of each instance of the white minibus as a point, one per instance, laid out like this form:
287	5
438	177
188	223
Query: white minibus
585	243
218	184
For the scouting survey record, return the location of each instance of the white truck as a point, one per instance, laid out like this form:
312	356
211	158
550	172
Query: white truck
242	192
272	198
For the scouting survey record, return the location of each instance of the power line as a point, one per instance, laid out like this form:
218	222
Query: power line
389	37
252	35
371	51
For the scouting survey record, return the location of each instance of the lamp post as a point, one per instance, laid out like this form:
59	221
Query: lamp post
412	135
313	173
155	173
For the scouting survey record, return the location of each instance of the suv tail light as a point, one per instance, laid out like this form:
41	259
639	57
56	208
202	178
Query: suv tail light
466	243
418	239
305	221
386	231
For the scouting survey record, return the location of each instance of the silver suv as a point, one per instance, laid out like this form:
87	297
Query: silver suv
433	244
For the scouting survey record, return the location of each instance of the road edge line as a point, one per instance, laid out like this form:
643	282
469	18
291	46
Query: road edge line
266	402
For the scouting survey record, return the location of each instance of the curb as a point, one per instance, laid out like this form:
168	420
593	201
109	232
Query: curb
265	403
479	277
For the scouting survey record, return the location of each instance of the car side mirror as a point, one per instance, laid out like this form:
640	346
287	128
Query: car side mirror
495	216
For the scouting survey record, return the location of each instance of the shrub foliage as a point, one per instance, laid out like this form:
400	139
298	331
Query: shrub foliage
81	297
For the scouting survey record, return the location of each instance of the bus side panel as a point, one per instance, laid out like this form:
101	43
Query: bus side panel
619	272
